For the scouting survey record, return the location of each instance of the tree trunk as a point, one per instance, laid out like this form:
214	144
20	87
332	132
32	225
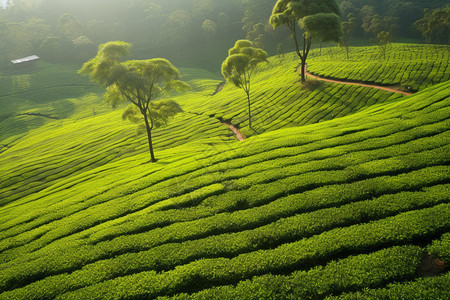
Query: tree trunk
149	136
303	70
249	110
306	48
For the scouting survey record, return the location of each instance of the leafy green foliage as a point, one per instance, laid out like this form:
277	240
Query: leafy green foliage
441	248
318	19
435	25
138	82
324	27
384	40
239	66
422	288
348	27
163	111
349	273
288	12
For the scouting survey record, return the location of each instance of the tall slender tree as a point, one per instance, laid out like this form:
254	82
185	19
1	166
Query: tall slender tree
384	39
347	28
239	66
138	82
318	19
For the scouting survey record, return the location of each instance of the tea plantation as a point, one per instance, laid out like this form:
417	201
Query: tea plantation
344	194
409	66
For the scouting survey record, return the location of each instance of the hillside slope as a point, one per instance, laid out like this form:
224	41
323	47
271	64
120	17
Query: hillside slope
410	66
53	123
279	101
31	98
348	205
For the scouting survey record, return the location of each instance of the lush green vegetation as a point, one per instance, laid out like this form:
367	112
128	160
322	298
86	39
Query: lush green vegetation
29	100
405	65
358	202
340	191
194	32
278	101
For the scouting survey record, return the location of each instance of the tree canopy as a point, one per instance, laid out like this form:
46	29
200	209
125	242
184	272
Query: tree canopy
239	66
318	19
177	29
435	25
138	82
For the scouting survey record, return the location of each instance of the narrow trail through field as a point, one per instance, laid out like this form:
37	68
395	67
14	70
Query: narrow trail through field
380	87
239	135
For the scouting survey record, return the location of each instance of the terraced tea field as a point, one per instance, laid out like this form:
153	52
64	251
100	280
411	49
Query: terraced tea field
74	148
278	102
352	204
412	67
367	192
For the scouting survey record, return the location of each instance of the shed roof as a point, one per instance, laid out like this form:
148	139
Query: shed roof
25	59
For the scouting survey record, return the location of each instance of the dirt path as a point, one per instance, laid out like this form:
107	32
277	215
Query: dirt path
360	84
239	135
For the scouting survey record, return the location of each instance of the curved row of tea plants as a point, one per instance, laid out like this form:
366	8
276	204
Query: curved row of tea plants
280	101
69	148
363	192
355	272
408	65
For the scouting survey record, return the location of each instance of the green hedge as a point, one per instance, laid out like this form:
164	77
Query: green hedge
354	272
441	248
421	289
406	227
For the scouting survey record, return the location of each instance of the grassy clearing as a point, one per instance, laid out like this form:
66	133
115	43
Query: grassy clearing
362	196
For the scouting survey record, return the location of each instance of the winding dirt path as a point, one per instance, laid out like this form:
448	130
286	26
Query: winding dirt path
380	87
239	135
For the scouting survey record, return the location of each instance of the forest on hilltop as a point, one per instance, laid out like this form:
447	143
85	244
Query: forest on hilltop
188	32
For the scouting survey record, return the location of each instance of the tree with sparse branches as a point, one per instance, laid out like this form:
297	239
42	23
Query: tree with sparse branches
384	39
318	19
347	28
239	66
138	82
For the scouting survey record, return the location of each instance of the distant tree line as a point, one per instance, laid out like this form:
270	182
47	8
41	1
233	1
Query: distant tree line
195	31
398	17
72	30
